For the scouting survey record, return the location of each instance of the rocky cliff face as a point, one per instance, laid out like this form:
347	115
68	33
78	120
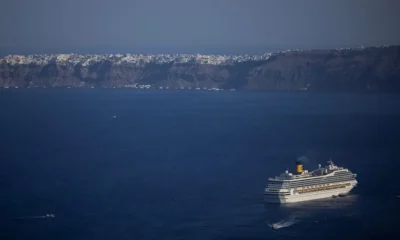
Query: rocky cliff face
341	70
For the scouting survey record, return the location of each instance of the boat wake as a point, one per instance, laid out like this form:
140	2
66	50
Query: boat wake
49	215
284	223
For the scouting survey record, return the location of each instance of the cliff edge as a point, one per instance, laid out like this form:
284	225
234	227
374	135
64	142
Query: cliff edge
372	69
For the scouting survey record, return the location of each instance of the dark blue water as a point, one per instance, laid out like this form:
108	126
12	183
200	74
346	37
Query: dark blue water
191	165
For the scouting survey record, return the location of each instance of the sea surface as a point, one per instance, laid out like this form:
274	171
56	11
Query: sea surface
128	164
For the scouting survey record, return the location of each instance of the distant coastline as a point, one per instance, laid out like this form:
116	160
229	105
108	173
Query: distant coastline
371	69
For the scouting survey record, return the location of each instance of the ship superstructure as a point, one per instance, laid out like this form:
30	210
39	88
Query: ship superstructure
323	182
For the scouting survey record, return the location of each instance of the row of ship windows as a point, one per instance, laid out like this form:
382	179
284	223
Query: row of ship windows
326	180
298	186
309	183
322	188
326	185
313	181
311	189
323	178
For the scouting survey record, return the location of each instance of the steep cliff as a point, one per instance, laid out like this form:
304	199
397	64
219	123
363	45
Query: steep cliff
374	69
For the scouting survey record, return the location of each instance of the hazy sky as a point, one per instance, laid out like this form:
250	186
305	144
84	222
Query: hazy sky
191	26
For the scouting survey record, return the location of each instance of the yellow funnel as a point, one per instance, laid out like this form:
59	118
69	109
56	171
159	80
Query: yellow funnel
299	167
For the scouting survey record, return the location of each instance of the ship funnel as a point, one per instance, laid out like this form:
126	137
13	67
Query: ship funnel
299	167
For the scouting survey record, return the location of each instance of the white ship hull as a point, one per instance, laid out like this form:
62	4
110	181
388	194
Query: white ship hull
293	198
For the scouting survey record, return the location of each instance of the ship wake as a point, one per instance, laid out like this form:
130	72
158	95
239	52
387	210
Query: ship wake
284	223
48	215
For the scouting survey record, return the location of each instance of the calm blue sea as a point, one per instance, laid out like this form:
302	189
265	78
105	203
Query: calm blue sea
191	164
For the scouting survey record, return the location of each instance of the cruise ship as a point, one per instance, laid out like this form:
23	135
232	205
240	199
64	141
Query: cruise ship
323	182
